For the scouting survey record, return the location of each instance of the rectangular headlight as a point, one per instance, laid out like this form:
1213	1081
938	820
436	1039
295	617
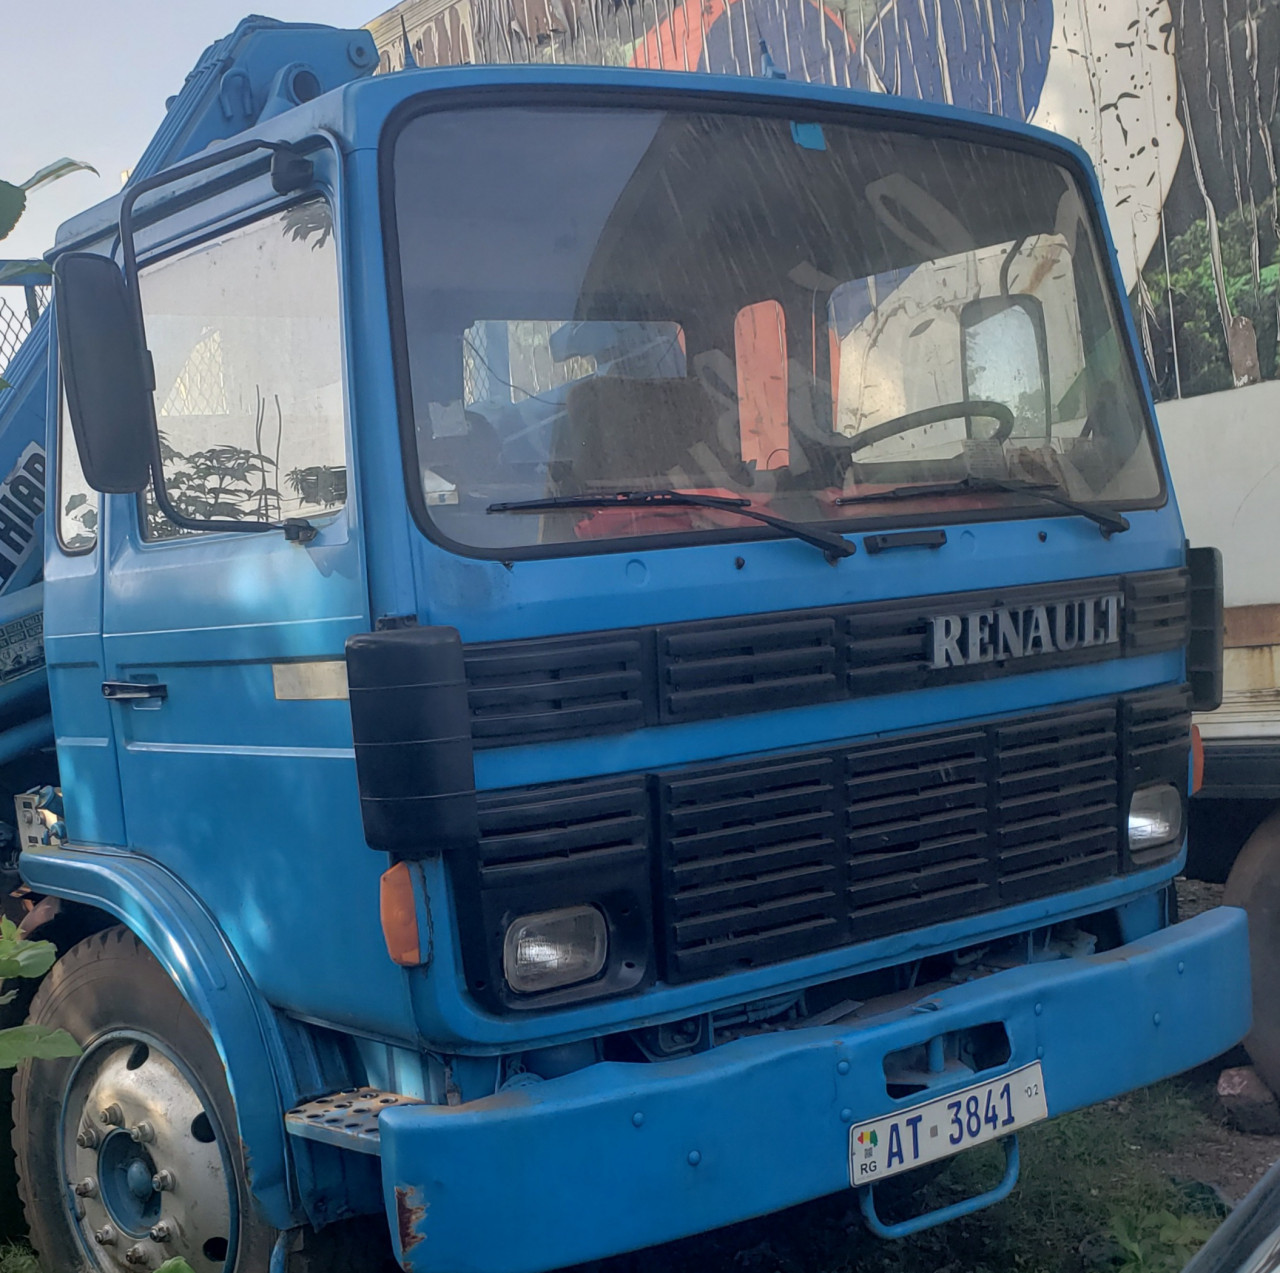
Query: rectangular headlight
554	948
1155	816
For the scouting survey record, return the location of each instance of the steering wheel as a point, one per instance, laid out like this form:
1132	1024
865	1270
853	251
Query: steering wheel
933	415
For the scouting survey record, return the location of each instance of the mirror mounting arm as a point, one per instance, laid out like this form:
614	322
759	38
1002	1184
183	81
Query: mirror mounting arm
290	170
297	530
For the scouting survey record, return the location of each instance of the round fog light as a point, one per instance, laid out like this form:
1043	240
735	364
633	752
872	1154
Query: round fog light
554	948
1155	816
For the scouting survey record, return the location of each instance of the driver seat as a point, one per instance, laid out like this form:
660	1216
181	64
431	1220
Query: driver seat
623	434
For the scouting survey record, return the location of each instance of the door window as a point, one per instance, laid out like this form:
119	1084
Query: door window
77	501
245	333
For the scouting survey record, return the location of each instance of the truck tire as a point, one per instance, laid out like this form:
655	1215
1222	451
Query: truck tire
1254	885
147	1103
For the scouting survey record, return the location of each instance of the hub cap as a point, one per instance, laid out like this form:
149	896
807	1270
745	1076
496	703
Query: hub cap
143	1159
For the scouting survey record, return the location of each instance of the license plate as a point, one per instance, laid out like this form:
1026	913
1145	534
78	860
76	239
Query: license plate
937	1129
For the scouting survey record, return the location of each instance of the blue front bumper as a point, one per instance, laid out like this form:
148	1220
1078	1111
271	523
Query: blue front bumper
619	1156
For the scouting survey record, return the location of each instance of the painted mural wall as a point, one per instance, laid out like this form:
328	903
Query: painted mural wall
1176	100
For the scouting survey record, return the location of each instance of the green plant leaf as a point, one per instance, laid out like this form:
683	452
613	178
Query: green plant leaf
54	171
4	384
13	199
34	1042
175	1265
22	958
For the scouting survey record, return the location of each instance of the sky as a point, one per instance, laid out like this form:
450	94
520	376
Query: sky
88	79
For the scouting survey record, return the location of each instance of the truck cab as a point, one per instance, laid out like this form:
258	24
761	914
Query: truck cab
619	651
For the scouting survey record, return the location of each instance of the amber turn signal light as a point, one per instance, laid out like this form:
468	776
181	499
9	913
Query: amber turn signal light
400	916
1197	760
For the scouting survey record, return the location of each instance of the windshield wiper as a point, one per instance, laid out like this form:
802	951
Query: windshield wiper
1110	521
834	546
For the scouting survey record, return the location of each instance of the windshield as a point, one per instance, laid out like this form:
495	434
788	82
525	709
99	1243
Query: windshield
797	314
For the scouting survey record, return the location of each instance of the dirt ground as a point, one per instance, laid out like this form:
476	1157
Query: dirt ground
1229	1160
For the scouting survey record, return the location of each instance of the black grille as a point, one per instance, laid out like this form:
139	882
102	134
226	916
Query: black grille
727	669
916	819
768	859
1158	610
536	691
546	847
885	650
751	862
599	682
775	857
1154	729
570	825
1056	801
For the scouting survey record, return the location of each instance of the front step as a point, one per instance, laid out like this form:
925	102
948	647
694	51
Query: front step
347	1119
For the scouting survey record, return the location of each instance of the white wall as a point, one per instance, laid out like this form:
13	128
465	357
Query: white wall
1224	454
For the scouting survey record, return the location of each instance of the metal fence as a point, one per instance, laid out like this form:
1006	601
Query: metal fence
16	320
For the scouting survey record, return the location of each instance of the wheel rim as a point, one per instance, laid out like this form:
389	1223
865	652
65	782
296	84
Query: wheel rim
142	1153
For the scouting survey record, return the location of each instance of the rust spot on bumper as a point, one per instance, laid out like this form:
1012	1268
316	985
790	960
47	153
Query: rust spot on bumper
410	1213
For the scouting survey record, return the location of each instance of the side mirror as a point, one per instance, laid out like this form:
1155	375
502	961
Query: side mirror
1006	359
105	372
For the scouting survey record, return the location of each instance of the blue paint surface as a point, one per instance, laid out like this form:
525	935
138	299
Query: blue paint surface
599	1161
225	827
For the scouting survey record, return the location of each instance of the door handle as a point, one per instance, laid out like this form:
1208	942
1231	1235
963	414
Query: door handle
120	690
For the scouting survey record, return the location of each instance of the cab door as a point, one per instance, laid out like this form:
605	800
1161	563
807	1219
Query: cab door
72	622
224	648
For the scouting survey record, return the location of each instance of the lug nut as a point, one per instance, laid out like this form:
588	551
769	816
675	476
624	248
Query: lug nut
87	1137
162	1181
106	1236
87	1188
143	1134
161	1232
138	1255
113	1115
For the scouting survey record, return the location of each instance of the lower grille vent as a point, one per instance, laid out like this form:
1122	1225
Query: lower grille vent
1056	794
772	858
767	859
916	813
751	861
568	824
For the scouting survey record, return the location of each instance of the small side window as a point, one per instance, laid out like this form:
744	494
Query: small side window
760	351
77	503
514	360
245	333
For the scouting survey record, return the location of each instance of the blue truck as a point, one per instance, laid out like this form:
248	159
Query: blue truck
613	652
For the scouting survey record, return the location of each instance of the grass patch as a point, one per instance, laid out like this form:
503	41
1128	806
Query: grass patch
1090	1199
17	1257
1097	1194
